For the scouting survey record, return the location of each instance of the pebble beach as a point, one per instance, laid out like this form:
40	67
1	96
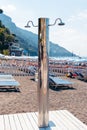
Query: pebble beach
72	98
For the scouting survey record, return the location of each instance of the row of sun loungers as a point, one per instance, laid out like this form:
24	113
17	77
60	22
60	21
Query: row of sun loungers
18	70
77	75
8	81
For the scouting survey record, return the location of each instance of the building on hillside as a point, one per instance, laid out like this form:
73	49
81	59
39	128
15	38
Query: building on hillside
15	50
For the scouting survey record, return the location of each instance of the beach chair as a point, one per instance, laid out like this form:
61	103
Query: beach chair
72	74
56	81
5	76
69	74
9	81
80	76
85	77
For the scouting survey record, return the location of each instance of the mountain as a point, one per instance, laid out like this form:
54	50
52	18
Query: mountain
29	40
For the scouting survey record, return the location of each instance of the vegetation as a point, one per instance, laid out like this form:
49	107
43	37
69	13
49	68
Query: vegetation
6	39
1	11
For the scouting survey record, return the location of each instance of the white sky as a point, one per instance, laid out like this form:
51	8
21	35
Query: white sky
72	36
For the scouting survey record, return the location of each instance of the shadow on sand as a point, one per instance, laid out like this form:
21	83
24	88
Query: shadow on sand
60	88
9	90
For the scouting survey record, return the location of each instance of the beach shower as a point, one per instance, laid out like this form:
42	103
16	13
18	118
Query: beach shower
43	70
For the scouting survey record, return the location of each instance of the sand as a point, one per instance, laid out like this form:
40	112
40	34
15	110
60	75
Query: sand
72	99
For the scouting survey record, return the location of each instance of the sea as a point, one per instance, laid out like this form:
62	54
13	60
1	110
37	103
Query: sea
73	59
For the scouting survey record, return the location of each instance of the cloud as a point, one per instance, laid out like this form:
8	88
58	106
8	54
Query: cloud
80	16
83	14
8	8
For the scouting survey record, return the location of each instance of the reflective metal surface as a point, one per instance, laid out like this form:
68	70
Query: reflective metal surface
60	22
43	86
28	24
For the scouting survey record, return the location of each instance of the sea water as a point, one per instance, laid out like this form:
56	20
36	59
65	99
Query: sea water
74	59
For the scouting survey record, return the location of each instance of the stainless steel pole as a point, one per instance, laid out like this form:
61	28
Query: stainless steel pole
43	76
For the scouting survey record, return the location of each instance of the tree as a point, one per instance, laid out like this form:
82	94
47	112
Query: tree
6	38
6	52
2	37
1	11
7	30
0	23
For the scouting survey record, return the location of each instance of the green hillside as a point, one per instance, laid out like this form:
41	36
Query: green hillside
6	38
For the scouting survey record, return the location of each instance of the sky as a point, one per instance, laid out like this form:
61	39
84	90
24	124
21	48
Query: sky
72	36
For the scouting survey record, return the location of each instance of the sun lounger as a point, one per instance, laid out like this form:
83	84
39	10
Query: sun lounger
3	76
8	81
56	81
72	75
